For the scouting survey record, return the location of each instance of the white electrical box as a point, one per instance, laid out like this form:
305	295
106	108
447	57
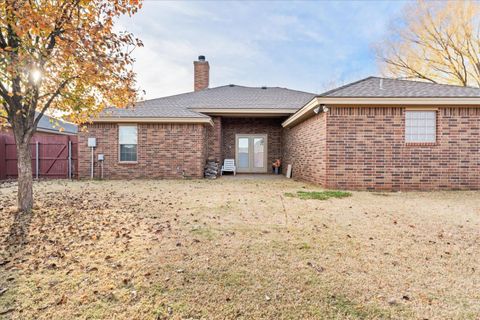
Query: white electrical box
92	142
101	157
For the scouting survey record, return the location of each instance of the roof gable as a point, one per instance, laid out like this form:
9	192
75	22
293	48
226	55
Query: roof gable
378	91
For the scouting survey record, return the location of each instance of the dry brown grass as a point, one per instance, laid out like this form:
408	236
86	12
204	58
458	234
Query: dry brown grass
238	248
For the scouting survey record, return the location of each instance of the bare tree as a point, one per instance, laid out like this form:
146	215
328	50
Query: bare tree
435	41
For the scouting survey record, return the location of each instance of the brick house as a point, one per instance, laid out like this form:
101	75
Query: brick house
373	134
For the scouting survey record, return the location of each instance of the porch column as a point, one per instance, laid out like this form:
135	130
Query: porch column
215	140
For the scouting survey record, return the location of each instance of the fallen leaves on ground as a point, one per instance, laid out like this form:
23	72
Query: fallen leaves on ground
234	248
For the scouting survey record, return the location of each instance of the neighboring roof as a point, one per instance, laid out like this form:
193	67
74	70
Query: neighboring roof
225	97
376	87
50	124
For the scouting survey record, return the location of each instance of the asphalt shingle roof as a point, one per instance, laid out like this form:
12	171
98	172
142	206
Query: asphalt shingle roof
165	108
240	97
225	97
376	87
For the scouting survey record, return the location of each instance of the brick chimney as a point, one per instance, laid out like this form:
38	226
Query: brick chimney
202	74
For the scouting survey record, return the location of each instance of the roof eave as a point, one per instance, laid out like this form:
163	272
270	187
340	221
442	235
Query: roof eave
184	120
245	111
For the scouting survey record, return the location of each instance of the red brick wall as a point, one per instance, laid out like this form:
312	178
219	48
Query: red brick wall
214	140
270	126
163	151
366	149
304	147
365	146
201	75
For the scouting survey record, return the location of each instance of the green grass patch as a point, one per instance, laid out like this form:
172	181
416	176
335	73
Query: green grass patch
8	299
178	308
341	306
96	310
204	232
305	246
319	195
236	279
224	278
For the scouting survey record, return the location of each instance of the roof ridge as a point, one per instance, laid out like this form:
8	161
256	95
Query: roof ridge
343	87
294	90
190	92
426	82
182	94
261	88
173	95
218	87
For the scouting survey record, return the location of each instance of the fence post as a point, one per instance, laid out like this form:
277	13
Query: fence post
37	160
3	158
69	159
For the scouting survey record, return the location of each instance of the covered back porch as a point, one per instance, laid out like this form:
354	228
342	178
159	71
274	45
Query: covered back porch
255	143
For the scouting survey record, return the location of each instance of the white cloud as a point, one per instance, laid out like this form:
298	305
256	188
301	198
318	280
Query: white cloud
297	45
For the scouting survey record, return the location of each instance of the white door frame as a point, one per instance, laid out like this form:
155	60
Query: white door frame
250	168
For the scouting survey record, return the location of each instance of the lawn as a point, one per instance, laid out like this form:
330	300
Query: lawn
238	248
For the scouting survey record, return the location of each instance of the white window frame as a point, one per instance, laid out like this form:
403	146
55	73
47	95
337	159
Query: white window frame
119	144
419	127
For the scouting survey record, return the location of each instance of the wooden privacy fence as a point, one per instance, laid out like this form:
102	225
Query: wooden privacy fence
53	156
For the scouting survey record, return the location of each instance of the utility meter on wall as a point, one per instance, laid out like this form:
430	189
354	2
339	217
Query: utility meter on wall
92	142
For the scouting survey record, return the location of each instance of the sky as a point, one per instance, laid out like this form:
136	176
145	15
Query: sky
309	46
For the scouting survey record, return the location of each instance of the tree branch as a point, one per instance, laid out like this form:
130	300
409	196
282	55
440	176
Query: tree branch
4	95
3	42
439	43
404	65
57	30
49	102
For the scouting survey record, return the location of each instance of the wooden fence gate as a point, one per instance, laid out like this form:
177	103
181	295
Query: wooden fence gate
53	156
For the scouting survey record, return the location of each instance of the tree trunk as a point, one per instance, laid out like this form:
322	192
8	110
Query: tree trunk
25	179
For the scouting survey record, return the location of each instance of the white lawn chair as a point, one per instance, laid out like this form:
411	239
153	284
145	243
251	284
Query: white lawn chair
229	166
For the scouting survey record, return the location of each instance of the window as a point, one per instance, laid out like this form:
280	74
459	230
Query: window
420	126
127	138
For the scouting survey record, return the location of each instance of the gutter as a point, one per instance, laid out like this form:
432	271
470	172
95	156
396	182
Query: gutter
245	111
154	120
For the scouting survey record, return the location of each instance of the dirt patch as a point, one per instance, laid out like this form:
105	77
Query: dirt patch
238	248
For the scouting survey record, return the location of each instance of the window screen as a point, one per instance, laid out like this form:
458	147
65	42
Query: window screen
420	126
128	143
